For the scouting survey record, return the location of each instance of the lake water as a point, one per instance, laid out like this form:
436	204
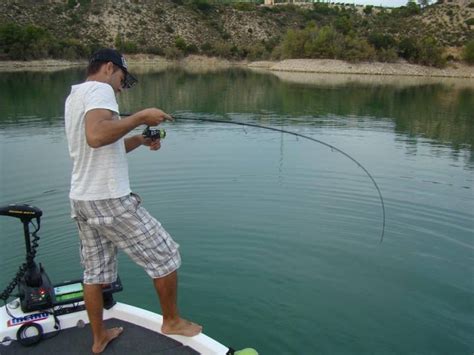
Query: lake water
279	235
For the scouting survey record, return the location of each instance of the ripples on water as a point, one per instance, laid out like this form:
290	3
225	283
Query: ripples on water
280	236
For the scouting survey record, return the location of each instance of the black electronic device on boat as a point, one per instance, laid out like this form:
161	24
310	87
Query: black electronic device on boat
35	289
69	292
32	297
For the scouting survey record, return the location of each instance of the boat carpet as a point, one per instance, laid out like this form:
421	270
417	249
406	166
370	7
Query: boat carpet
133	340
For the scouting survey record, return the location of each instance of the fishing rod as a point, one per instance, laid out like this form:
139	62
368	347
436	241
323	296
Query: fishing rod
180	118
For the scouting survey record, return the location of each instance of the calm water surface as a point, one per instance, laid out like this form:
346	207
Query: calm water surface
279	236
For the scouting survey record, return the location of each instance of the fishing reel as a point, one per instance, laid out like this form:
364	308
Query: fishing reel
154	133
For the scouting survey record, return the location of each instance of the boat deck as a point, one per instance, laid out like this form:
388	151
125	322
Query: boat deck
133	340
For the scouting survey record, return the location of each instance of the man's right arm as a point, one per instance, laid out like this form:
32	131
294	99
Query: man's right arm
102	129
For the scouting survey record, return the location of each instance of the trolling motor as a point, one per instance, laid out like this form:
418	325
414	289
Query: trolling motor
34	287
35	290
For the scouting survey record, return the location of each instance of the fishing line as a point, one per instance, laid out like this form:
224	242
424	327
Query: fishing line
332	147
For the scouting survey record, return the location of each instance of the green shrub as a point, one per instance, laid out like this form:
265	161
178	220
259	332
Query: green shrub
93	46
468	52
277	53
324	9
256	51
289	8
408	49
71	3
431	53
271	43
125	46
410	9
223	49
381	41
24	43
358	49
9	35
180	43
173	53
202	5
293	44
118	40
70	49
225	35
74	18
192	48
206	47
154	50
425	51
85	2
129	47
368	10
470	22
323	43
244	6
343	24
388	55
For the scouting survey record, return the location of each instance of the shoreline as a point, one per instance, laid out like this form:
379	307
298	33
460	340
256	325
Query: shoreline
333	66
196	63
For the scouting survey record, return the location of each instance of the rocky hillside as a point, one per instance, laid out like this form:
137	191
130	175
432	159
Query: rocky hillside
452	22
176	27
150	25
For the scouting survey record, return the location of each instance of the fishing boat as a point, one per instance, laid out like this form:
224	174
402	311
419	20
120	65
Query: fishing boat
47	318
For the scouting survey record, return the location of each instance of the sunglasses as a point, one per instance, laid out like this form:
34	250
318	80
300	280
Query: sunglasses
128	80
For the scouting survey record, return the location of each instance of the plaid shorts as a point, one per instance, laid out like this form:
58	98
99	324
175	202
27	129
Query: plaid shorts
105	225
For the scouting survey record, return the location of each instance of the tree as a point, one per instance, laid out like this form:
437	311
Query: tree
468	52
423	3
413	8
323	43
293	44
368	10
431	52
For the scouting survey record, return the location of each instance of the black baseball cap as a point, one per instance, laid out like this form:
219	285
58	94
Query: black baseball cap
111	55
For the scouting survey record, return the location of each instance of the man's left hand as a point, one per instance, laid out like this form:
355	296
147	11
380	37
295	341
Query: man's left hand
154	144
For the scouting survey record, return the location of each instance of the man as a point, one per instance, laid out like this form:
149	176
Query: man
108	215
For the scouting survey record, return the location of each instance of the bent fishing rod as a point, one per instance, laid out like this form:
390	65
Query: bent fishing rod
247	124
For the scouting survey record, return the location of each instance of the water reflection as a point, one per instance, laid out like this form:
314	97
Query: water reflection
26	95
415	108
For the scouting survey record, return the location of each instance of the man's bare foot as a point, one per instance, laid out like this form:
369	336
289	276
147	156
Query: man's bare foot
181	327
110	334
